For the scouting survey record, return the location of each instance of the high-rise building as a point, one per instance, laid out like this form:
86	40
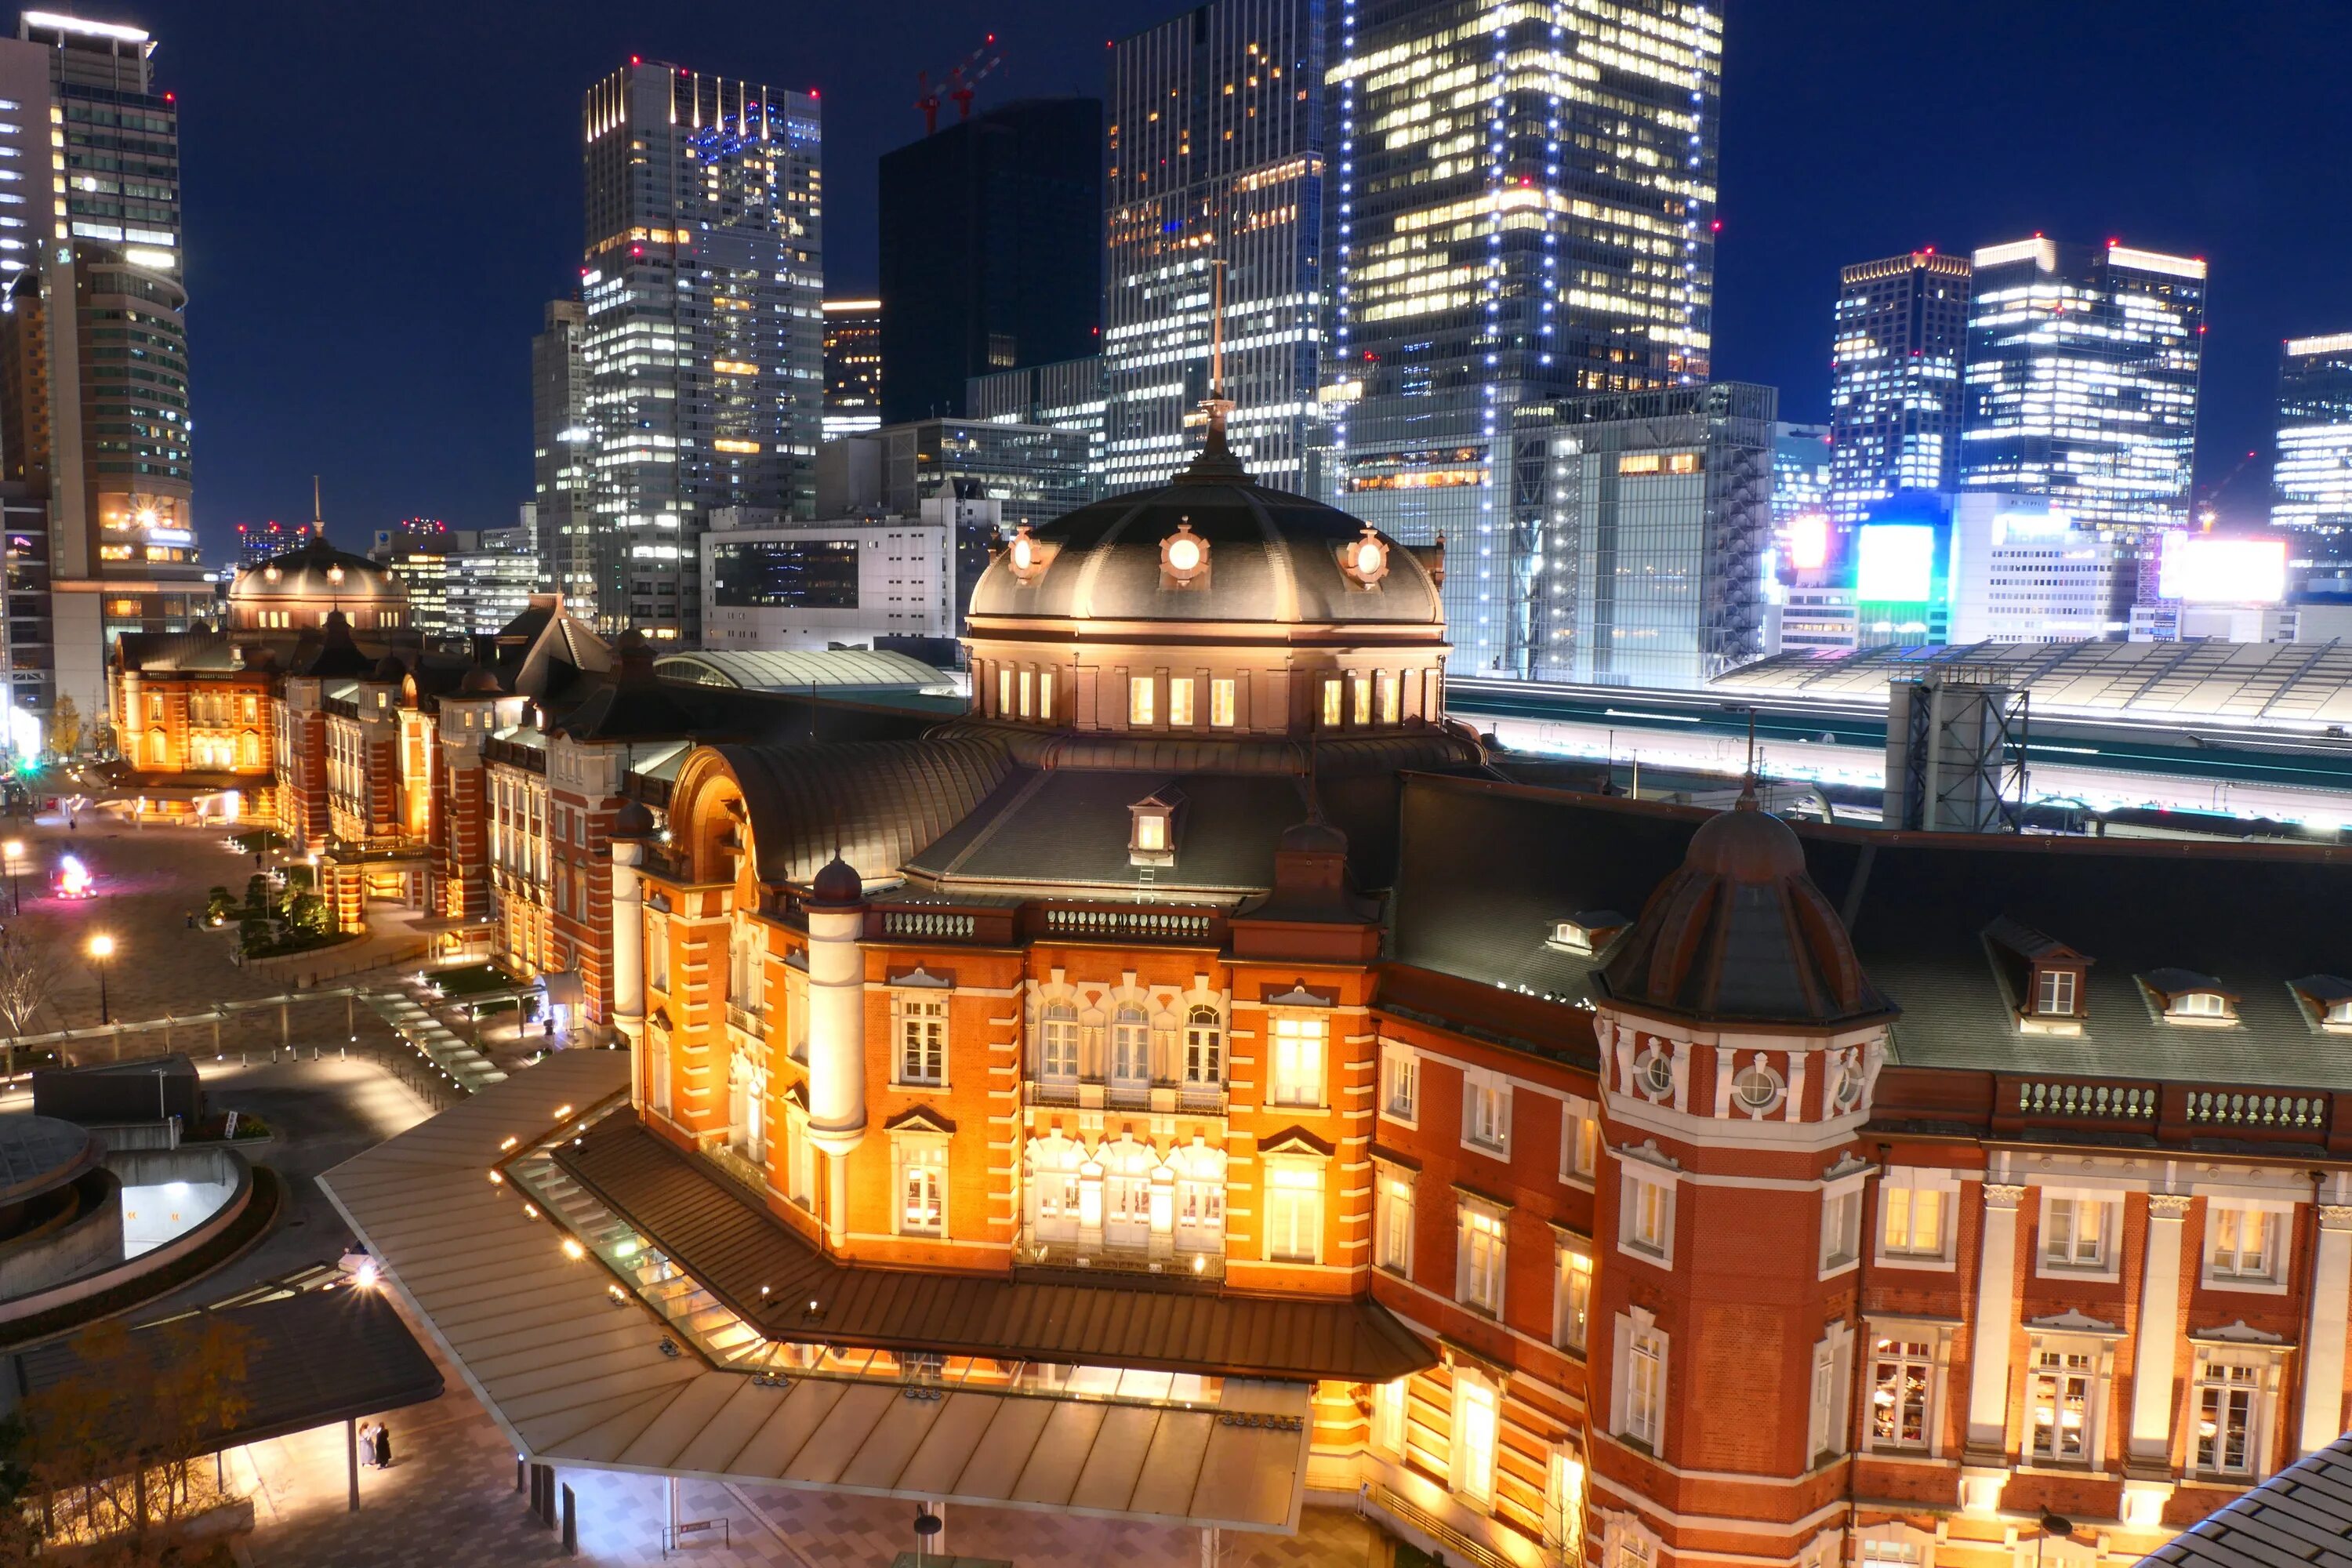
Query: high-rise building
991	251
704	346
1801	472
1216	128
1900	336
562	458
1525	210
491	576
1648	512
260	542
2022	573
852	367
94	396
1065	396
2081	380
2312	481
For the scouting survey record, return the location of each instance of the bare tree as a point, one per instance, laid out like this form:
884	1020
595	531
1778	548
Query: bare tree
27	978
65	728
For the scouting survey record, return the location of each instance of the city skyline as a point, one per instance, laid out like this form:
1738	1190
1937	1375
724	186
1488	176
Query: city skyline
465	448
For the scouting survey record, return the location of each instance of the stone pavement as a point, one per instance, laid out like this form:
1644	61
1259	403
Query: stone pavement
449	1501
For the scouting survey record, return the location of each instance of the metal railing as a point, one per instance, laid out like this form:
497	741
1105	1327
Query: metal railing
752	1024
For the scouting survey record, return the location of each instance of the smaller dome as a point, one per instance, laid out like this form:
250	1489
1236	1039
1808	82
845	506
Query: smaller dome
634	820
837	883
1746	845
482	682
389	668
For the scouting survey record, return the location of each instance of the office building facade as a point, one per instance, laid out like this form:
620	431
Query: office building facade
1900	337
769	583
1648	513
991	251
1215	127
704	340
94	397
2312	481
562	458
852	367
2081	380
1540	228
1068	394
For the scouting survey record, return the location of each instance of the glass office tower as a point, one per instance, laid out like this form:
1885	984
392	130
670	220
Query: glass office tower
2312	481
2081	380
563	449
1525	210
852	367
1899	339
705	334
1216	134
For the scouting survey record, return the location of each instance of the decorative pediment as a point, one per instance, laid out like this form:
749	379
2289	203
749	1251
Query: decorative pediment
1849	1164
919	1119
1648	1153
920	976
2237	1333
2073	1320
1299	996
1293	1141
796	1096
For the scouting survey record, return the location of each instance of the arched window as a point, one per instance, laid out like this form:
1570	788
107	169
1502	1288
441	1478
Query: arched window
1127	1192
1130	1049
1204	1049
1200	1197
1057	1056
249	749
1054	1161
159	748
747	1092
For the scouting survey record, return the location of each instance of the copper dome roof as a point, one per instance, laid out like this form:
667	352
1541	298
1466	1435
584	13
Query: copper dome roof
319	572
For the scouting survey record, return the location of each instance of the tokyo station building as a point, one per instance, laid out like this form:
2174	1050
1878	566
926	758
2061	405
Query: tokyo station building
1202	1081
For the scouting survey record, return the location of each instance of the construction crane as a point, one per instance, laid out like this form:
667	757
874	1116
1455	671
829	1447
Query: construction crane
2209	513
957	83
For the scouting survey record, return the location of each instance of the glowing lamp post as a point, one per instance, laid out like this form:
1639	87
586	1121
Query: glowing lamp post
101	948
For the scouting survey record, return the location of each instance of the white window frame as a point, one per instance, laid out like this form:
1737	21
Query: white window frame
1059	1065
1902	1192
1399	1084
1487	1111
1298	1180
1204	1046
1392	1412
1902	1345
909	1153
1289	1084
1828	1421
2055	992
1142	701
2247	1374
2218	1270
2099	1377
1472	1474
910	1011
1221	701
1640	1184
1579	1141
1841	1237
1392	1218
1571	1293
1641	1377
2107	1264
1482	1254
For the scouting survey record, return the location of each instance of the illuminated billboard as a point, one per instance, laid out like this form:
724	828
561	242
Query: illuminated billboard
2201	569
1896	563
1809	540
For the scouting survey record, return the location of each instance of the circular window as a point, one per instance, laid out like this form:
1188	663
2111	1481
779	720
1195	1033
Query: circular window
1757	1087
1656	1071
1847	1092
1183	554
1368	557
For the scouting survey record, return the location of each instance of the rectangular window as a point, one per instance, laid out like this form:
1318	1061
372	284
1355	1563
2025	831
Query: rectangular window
922	1039
2243	1245
1649	1223
1580	1139
1902	1372
1180	701
1645	1387
2054	991
1331	702
1476	1426
1294	1214
1399	1083
1389	1401
1386	682
1395	1224
921	1211
1486	1109
1912	1221
1820	1425
2074	1233
2226	1400
1362	707
1841	1228
1572	1310
1004	689
1221	703
1140	693
1299	1061
1045	694
1028	690
1480	1281
2058	1405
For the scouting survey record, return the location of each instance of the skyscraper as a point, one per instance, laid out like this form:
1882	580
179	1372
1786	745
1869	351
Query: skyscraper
94	397
852	367
991	251
2312	481
1215	127
704	340
1900	336
1525	211
563	453
2081	380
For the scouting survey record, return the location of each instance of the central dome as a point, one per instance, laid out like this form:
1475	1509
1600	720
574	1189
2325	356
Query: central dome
1210	546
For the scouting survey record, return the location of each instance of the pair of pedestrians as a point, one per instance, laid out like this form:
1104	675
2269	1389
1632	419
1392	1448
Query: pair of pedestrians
375	1445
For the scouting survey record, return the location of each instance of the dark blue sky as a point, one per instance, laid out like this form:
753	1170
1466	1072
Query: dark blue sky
380	198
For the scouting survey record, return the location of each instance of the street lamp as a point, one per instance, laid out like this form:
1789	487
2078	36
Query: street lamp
101	948
13	848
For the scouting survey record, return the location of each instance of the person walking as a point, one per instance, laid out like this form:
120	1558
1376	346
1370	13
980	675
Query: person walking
367	1444
382	1446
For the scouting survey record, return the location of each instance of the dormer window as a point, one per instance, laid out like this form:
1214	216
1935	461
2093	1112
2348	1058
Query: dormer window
2046	979
2055	991
2326	1000
1151	834
1587	932
2198	1004
2186	997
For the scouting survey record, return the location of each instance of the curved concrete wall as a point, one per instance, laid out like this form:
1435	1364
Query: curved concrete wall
92	1239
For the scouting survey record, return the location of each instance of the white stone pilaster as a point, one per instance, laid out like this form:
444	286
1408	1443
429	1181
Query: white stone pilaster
2150	1439
2322	1417
1993	1326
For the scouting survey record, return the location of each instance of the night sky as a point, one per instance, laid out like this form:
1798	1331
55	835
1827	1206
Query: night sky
380	199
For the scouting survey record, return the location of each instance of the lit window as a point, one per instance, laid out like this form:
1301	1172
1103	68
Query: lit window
2200	1005
1221	703
1004	688
1140	701
1571	1309
1486	1109
1480	1283
1580	1139
1902	1373
1294	1213
2227	1396
1912	1221
1389	1403
1476	1425
1179	702
1028	690
1649	1220
921	1170
922	1039
1058	1057
1362	706
1331	702
2058	1405
1045	694
1299	1061
2074	1233
1386	682
1645	1387
2243	1243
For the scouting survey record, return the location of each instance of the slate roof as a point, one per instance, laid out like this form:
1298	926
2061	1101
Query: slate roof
1488	868
732	1247
186	653
875	803
2300	1518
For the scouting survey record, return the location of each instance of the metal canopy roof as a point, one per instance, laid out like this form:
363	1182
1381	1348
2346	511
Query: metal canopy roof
573	1377
802	670
2302	686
